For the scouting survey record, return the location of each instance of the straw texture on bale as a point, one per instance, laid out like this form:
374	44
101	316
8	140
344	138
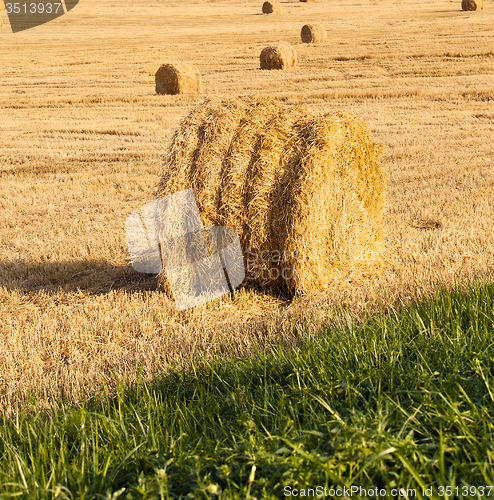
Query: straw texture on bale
313	33
304	192
472	4
281	55
178	78
271	7
2	5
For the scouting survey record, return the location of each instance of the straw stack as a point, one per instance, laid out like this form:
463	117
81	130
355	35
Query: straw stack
304	192
271	7
281	55
472	4
313	33
178	78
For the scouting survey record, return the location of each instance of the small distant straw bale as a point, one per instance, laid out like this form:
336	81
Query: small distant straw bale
178	78
313	33
304	192
281	55
271	7
472	4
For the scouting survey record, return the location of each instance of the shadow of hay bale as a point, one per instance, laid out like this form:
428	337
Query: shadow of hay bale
91	276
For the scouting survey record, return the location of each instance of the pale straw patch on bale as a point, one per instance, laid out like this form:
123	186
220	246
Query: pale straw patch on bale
472	4
2	5
281	55
178	78
271	7
313	33
304	192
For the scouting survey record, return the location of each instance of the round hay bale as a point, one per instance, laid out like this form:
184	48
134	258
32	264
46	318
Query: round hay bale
304	192
313	33
178	78
271	7
472	4
281	55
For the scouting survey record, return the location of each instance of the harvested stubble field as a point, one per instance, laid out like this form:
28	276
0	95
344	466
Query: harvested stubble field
82	142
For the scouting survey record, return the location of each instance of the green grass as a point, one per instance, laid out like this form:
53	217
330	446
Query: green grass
403	400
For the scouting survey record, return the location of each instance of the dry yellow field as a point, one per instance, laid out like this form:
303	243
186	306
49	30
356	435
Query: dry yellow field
83	137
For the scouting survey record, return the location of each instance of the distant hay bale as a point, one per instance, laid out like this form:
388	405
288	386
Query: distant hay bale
178	78
304	192
281	55
271	7
313	33
472	4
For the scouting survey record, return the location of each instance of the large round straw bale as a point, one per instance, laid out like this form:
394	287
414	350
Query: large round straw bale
178	78
472	4
271	7
304	192
281	55
313	33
